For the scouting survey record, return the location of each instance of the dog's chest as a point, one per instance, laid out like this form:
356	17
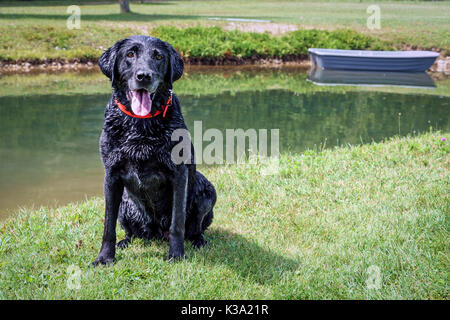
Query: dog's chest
144	168
146	182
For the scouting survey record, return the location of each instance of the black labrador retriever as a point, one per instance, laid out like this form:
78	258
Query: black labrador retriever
153	196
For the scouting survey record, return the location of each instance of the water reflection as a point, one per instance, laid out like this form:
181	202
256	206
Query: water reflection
370	78
49	143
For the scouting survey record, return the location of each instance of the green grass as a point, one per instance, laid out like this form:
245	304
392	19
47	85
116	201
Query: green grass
34	30
311	231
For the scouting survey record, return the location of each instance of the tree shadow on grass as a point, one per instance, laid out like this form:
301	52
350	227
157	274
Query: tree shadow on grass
132	16
54	3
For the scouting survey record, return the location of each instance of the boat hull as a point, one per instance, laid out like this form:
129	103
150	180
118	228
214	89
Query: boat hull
402	62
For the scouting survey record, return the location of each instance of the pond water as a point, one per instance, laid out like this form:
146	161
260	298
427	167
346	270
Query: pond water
49	142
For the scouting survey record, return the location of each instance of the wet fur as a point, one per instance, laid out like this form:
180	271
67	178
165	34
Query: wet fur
152	197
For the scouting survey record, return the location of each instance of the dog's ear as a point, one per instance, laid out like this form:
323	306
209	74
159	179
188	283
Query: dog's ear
108	59
175	66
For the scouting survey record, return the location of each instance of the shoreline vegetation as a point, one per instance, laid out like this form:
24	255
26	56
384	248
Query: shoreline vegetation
197	45
379	206
208	46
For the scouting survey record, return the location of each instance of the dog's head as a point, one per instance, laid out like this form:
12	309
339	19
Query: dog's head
140	66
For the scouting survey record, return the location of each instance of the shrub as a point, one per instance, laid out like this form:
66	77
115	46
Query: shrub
212	42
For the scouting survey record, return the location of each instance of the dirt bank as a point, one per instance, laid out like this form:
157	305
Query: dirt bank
60	64
442	65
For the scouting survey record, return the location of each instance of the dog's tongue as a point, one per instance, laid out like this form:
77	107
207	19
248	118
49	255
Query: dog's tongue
141	103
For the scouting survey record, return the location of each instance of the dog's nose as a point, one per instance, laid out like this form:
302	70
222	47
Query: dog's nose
143	76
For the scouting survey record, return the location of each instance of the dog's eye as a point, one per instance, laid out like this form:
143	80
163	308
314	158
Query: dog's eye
158	57
130	54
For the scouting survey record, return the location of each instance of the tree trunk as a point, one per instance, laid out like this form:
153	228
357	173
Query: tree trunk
124	6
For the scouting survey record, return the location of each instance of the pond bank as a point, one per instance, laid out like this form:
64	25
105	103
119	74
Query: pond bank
330	218
441	65
88	64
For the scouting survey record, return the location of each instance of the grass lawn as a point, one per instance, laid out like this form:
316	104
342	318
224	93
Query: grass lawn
361	222
37	30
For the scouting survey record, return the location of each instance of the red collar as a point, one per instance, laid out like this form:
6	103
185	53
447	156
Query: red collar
131	114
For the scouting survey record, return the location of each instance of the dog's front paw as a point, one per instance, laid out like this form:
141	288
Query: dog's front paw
199	242
175	256
176	249
102	260
122	244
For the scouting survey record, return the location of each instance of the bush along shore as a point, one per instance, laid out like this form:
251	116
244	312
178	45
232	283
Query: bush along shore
355	222
197	45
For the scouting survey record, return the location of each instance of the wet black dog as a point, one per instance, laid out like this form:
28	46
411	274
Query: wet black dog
153	196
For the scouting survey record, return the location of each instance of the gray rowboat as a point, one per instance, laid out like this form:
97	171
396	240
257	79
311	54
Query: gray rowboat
402	61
